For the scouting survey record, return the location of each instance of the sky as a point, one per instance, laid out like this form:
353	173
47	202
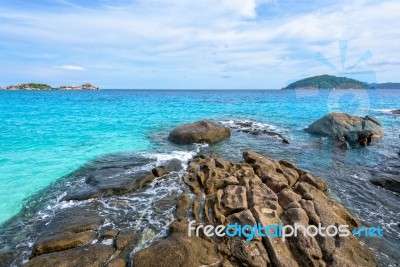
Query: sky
202	44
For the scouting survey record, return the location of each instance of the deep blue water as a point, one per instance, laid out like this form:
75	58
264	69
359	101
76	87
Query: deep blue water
45	135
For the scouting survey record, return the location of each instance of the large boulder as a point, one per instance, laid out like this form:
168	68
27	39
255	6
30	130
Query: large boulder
396	111
199	132
338	125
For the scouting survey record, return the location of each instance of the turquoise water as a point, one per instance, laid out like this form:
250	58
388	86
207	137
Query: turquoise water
47	135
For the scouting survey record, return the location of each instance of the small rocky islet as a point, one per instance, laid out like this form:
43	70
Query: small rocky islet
46	87
257	189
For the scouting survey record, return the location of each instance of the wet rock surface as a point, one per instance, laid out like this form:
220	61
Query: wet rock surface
338	125
105	183
199	132
387	181
257	190
85	234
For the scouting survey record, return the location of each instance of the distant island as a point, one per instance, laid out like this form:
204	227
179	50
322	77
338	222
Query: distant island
328	82
44	87
333	82
385	85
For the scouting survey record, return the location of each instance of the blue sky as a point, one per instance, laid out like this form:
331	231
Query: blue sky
186	44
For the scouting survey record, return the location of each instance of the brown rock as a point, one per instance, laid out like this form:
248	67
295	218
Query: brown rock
291	175
125	238
225	181
295	215
278	251
274	180
62	241
306	250
308	206
244	253
262	196
287	196
232	199
199	132
178	250
265	187
242	218
108	234
117	262
86	256
183	206
318	183
191	180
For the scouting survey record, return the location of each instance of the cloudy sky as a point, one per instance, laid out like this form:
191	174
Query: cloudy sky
197	44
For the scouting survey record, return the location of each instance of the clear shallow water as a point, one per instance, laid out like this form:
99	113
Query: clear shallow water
47	135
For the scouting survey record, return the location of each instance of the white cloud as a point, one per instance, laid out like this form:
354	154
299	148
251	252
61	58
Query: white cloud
71	67
204	39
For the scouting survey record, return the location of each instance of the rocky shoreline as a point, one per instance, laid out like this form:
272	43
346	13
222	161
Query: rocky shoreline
256	190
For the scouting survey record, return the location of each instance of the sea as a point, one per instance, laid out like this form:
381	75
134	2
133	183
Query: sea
49	140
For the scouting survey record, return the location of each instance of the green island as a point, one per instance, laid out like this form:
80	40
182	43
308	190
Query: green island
43	87
328	82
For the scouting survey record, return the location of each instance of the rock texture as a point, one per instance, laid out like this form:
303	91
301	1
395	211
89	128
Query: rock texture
257	190
87	256
199	132
75	237
338	125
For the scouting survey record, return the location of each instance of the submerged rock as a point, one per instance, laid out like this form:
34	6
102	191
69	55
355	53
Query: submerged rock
199	132
172	165
258	190
105	183
338	124
254	128
389	182
396	111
